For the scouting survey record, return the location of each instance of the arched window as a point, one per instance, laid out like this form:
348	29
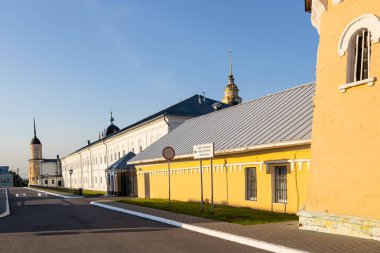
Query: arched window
355	42
359	54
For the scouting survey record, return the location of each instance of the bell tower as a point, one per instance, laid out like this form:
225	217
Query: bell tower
231	92
343	188
35	158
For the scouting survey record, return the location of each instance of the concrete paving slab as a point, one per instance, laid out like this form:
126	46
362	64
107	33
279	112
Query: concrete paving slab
284	233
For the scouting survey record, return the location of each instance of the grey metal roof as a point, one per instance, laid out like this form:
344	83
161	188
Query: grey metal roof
49	160
121	164
281	117
4	170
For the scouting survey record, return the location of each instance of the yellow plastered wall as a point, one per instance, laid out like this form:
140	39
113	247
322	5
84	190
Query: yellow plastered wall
345	175
230	179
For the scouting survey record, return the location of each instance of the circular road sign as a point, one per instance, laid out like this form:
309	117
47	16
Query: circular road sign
168	153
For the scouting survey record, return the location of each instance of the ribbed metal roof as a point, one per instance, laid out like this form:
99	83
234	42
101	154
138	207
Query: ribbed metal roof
280	117
121	164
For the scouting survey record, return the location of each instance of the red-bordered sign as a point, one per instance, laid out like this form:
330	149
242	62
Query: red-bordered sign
168	153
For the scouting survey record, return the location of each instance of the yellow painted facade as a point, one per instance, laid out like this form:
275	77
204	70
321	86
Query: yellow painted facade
230	179
346	127
343	193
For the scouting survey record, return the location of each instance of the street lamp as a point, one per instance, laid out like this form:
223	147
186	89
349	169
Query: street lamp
71	172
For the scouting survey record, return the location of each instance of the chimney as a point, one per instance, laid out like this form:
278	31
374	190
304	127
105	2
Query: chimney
204	97
200	99
88	142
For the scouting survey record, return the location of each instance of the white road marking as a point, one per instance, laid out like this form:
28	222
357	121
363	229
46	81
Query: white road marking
218	234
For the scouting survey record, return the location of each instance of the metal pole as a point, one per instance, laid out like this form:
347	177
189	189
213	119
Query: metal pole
169	179
201	171
212	187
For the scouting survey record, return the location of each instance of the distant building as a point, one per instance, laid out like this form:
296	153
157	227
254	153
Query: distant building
86	167
6	178
43	172
262	155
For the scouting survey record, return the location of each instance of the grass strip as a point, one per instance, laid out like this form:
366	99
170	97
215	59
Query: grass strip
238	215
90	193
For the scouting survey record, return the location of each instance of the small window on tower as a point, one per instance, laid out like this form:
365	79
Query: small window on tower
359	56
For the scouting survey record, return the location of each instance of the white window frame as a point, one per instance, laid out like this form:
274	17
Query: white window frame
247	182
277	198
348	42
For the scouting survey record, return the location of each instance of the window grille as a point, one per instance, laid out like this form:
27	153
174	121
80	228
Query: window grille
251	184
362	55
280	184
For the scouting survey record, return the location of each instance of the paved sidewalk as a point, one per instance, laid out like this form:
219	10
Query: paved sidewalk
284	233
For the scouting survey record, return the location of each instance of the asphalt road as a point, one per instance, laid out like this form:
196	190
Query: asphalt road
52	224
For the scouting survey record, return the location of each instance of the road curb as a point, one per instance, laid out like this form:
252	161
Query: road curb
222	235
55	194
7	211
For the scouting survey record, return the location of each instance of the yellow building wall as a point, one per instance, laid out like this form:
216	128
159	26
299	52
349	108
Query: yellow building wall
230	180
345	174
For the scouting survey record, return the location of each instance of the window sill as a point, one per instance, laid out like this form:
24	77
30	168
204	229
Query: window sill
368	81
251	199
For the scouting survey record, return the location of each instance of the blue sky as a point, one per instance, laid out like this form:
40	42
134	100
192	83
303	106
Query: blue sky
67	62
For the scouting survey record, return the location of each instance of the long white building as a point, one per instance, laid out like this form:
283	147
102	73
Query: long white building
85	168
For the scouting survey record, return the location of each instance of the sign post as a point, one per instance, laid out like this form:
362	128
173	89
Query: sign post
200	152
168	153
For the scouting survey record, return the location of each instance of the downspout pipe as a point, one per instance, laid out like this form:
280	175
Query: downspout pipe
169	127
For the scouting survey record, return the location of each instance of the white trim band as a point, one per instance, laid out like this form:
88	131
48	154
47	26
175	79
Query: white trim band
55	194
284	144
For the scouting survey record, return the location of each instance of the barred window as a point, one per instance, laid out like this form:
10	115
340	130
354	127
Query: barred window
359	56
280	184
251	184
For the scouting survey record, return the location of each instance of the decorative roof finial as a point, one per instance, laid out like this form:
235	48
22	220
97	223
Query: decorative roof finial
231	62
34	124
112	119
231	75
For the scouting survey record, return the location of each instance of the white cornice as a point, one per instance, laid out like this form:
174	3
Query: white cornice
267	146
337	1
317	8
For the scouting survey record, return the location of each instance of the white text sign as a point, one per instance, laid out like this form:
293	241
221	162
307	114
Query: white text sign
203	151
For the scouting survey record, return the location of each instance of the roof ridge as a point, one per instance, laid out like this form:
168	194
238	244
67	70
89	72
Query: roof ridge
281	91
254	100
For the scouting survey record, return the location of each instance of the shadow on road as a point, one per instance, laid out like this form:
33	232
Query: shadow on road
49	215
